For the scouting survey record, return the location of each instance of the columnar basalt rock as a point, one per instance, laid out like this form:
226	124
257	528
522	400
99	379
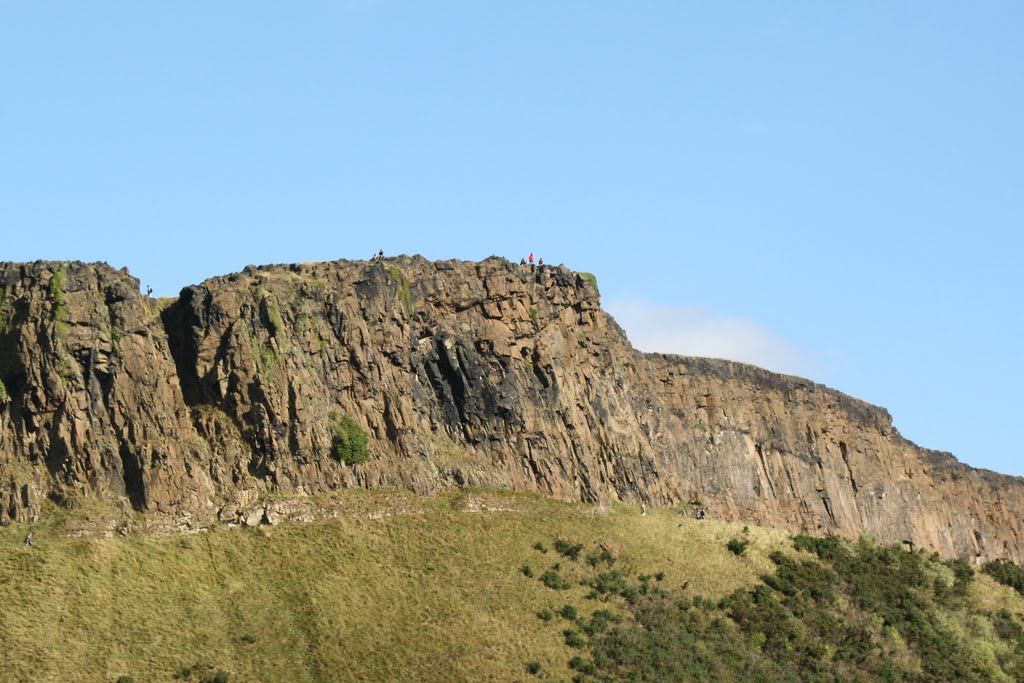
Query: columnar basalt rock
487	374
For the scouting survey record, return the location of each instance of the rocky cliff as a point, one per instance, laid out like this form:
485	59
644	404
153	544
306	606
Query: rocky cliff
487	374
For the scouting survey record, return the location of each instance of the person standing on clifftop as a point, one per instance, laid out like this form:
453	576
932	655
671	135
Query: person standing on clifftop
531	258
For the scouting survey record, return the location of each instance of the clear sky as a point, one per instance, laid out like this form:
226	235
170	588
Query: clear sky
828	189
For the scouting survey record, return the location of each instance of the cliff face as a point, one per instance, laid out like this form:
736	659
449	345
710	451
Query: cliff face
485	374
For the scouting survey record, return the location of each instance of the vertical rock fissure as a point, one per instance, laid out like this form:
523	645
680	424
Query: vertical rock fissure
134	484
843	451
764	468
178	321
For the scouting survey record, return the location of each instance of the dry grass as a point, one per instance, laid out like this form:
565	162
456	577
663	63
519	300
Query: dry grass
432	595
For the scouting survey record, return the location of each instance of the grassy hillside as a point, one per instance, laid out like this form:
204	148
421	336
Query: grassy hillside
432	593
397	588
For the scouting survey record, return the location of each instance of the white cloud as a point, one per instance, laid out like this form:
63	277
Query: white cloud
696	331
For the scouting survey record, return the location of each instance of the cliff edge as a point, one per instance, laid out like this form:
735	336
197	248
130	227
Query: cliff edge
487	374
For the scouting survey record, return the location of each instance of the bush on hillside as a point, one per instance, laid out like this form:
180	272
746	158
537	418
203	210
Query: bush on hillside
1006	573
348	441
552	579
568	548
737	546
853	611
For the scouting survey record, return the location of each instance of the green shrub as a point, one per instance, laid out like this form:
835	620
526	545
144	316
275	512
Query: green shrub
527	571
963	576
533	314
611	582
125	679
631	594
552	579
533	668
248	638
568	549
574	639
584	666
568	612
1007	628
594	559
1006	573
348	443
600	621
540	547
545	614
737	546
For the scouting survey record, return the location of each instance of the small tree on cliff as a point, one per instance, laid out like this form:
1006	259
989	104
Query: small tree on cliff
348	441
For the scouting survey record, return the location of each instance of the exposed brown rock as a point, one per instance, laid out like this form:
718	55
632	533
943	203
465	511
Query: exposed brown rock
486	374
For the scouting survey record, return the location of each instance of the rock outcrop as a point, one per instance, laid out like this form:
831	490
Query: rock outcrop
486	374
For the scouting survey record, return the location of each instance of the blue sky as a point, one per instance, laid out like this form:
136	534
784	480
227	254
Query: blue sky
827	189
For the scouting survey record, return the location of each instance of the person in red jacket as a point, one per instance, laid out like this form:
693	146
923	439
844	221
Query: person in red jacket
531	258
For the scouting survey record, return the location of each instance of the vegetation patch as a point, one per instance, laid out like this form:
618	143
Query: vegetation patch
3	392
272	314
847	612
592	279
403	286
1006	573
554	580
737	546
348	440
568	548
59	310
264	356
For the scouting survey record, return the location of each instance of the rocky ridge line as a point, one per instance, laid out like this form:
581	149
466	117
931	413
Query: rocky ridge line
487	374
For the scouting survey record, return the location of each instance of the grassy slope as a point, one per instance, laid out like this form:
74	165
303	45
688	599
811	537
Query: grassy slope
432	595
